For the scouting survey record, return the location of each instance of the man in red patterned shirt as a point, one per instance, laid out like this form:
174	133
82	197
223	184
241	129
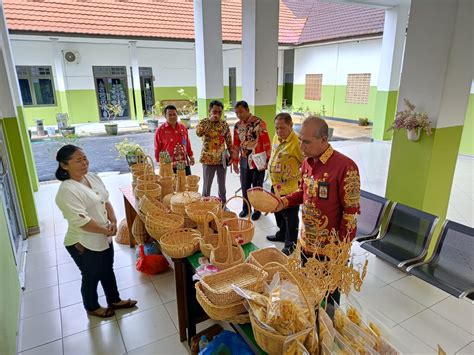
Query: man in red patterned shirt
251	150
173	137
329	190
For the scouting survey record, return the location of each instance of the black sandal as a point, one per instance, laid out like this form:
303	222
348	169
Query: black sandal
127	304
109	312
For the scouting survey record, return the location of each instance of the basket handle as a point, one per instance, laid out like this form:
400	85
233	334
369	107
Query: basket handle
293	278
140	155
209	217
243	198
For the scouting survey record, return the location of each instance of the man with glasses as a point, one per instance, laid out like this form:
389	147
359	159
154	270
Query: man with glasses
217	141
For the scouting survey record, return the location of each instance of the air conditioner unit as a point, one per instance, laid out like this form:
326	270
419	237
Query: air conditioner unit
72	57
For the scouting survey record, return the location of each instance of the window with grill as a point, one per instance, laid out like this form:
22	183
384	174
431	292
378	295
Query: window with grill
358	88
313	86
36	85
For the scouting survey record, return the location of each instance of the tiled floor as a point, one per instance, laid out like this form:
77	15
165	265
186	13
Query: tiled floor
416	315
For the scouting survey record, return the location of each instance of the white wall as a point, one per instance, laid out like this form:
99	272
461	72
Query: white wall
337	60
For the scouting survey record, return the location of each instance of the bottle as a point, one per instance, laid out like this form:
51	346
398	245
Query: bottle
203	343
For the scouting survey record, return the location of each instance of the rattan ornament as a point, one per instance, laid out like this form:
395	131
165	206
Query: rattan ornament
166	165
226	255
210	239
180	177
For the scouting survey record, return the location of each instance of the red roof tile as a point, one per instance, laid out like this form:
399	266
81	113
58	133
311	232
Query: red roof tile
300	20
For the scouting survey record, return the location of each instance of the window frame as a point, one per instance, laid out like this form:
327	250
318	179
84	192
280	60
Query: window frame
316	78
30	77
350	97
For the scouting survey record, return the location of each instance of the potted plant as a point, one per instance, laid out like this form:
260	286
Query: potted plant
64	126
227	108
187	110
412	121
363	121
113	110
129	150
151	120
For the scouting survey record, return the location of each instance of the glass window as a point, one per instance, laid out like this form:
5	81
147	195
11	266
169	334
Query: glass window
36	85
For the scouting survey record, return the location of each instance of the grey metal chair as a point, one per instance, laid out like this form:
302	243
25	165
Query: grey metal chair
451	267
372	210
405	238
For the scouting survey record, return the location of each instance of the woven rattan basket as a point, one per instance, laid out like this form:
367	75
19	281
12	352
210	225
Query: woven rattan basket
150	189
189	223
122	236
271	342
167	200
139	230
159	223
198	210
147	161
217	287
241	230
181	199
227	312
180	243
167	185
148	205
262	200
210	239
263	256
226	254
192	180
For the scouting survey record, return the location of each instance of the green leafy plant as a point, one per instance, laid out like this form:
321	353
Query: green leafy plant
191	108
113	110
126	147
157	110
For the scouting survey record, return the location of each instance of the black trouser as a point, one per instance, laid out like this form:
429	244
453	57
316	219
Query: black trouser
96	266
249	178
288	222
188	170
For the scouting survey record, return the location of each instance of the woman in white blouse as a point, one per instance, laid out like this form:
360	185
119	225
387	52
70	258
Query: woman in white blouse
84	202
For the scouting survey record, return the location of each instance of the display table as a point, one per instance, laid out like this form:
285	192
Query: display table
130	204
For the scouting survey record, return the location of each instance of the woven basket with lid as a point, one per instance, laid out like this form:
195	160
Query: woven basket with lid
180	200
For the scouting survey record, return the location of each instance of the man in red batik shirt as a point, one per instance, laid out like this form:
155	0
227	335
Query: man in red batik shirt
329	189
172	137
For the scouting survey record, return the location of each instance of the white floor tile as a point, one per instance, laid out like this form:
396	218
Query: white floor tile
40	260
458	311
145	294
54	348
370	284
63	256
68	272
39	301
467	350
384	271
420	291
124	258
39	330
172	309
70	293
405	342
434	329
129	276
39	244
166	288
41	278
394	304
146	327
74	319
167	346
103	340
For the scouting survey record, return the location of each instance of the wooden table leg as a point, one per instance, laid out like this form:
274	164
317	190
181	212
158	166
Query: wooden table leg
179	273
130	215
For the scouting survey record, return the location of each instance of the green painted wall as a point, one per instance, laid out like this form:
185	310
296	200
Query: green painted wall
171	93
20	173
421	173
33	176
385	110
138	103
46	113
83	106
279	102
467	140
9	291
238	93
333	97
267	113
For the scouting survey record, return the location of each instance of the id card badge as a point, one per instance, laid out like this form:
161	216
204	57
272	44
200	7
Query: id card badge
323	190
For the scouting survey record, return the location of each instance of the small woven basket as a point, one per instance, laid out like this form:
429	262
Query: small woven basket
149	189
167	185
122	236
181	199
198	210
262	257
180	243
226	255
209	239
217	287
159	223
241	230
149	205
139	230
147	161
262	200
227	312
192	180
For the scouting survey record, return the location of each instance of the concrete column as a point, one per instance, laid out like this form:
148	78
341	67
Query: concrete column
137	92
260	57
209	62
14	129
436	78
59	75
391	55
